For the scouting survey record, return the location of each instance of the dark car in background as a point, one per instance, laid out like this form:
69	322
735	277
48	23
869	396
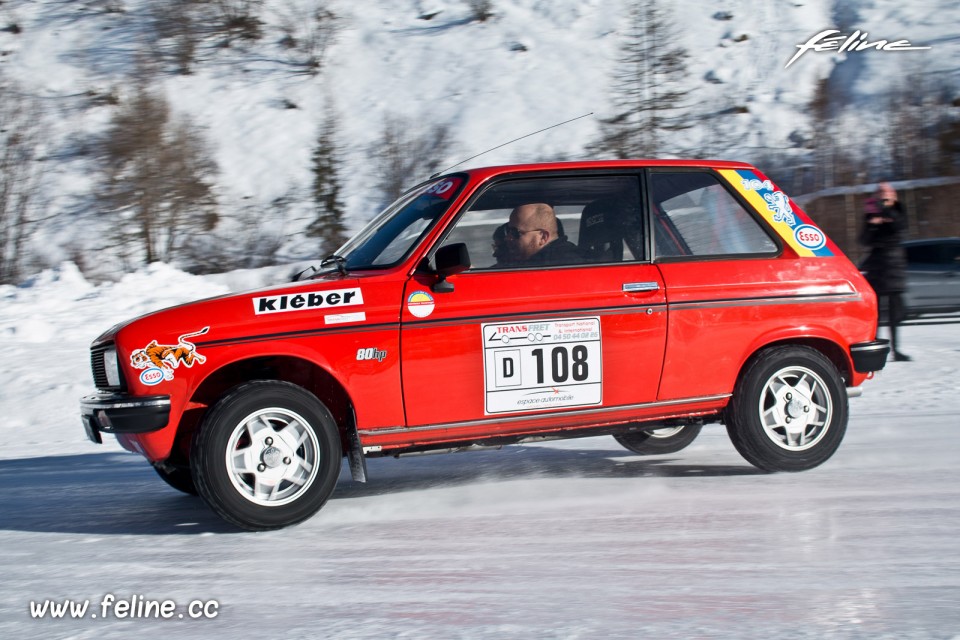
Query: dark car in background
933	276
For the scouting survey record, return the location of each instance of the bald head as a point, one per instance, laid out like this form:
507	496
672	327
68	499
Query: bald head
537	215
530	229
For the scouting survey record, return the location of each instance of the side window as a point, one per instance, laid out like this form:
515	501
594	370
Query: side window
541	222
694	215
925	254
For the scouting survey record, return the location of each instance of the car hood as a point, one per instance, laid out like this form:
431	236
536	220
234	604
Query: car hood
232	314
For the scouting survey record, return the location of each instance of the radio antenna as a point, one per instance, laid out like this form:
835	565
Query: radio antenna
553	126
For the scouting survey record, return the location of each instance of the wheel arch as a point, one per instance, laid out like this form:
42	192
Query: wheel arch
293	369
830	349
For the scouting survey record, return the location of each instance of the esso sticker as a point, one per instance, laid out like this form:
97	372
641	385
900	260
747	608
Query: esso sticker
444	188
151	376
810	237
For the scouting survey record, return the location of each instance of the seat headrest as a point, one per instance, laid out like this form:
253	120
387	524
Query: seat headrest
601	230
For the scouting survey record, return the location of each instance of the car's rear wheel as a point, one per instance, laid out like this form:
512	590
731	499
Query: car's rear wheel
663	440
789	410
267	455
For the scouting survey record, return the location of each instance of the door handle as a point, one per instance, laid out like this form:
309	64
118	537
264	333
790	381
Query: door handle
640	287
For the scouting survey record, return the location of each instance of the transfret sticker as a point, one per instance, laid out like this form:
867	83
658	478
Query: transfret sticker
540	365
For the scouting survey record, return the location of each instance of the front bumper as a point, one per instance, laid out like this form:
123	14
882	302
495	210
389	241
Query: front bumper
121	413
869	356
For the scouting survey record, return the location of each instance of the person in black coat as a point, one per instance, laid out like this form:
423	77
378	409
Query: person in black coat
884	229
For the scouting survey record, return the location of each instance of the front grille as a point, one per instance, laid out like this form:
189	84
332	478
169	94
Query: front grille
99	369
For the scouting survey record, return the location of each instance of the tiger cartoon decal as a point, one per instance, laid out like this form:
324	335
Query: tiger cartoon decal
159	360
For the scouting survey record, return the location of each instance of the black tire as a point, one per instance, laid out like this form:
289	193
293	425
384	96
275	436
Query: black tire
275	431
659	440
177	477
789	410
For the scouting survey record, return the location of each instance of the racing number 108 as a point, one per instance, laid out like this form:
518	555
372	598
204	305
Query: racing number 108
560	364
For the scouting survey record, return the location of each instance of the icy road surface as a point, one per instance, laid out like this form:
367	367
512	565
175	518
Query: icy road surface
577	539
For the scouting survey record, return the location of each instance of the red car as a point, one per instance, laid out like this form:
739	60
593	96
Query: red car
499	305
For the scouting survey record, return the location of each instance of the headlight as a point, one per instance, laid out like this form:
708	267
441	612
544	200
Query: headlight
111	367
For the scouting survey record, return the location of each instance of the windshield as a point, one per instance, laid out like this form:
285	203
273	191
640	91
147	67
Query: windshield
389	237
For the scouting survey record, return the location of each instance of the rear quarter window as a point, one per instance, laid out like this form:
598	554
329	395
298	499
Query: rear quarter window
695	215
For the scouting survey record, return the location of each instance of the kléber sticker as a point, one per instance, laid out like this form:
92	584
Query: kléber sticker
308	301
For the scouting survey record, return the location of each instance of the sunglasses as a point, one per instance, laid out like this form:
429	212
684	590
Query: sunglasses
514	233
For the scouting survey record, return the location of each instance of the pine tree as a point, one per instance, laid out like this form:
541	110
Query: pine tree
328	224
649	95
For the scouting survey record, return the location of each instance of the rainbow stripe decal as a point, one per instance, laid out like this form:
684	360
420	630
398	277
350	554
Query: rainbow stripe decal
794	227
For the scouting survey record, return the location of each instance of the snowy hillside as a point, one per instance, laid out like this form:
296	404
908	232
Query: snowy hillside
531	65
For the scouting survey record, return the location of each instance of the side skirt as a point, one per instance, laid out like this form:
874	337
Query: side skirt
552	425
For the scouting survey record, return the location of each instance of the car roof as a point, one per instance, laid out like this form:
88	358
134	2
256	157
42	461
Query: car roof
930	241
484	172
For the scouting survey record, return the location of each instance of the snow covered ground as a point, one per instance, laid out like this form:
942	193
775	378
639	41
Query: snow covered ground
577	539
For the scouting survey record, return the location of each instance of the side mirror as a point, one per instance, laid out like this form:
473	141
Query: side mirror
451	259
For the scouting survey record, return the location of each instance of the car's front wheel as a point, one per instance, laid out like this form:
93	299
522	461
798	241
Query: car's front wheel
267	455
789	410
663	440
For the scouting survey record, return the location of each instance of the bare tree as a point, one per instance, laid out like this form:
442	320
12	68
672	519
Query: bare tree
649	97
158	178
405	154
250	238
917	119
309	30
327	187
949	147
176	33
240	19
481	10
903	138
108	6
21	135
839	156
184	32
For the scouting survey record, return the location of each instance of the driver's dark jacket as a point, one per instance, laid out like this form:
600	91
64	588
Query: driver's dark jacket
560	251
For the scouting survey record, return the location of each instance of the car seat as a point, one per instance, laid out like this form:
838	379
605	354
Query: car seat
601	230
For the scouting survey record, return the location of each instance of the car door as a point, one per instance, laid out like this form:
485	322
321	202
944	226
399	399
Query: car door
512	340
